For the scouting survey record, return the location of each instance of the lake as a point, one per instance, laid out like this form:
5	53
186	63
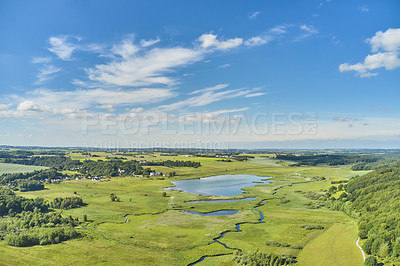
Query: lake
216	213
220	201
219	185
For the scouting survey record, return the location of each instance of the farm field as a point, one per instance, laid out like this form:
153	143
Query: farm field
9	168
147	227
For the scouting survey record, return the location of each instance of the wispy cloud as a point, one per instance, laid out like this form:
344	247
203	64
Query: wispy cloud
364	9
213	88
224	65
43	101
46	73
306	31
5	106
254	15
385	47
147	68
258	40
108	107
255	94
61	47
268	36
207	96
147	43
210	40
41	60
335	40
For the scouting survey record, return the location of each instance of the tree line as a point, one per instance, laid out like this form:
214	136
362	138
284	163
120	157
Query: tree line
29	181
259	258
374	200
56	162
329	159
177	163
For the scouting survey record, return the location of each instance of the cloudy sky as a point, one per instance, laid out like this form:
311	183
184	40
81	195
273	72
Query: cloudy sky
229	74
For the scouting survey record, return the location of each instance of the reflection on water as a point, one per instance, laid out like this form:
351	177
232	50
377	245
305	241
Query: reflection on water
219	185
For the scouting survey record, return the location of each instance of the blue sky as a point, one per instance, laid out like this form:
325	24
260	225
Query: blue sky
229	74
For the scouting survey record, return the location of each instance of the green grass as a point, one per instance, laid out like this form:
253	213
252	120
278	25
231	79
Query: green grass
336	246
159	234
9	168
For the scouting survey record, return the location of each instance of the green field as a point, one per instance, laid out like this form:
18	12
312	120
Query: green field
8	168
146	228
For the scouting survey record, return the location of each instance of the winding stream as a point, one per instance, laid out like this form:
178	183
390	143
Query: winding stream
221	185
217	239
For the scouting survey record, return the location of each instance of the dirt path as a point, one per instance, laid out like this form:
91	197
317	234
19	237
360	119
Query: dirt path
362	251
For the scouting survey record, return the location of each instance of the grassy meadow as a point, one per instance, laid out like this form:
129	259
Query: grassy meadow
11	168
147	228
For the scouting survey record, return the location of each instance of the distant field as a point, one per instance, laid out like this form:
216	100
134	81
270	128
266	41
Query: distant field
18	168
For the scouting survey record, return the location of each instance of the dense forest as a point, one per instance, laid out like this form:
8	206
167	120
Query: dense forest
177	163
57	162
27	222
111	168
29	181
313	160
262	259
375	165
374	200
88	167
66	203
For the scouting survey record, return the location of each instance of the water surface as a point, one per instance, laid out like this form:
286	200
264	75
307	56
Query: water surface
216	213
220	201
219	185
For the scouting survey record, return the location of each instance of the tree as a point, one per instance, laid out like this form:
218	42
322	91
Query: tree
332	189
371	261
113	197
85	218
367	246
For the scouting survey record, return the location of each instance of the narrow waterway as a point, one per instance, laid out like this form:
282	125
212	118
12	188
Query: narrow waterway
217	239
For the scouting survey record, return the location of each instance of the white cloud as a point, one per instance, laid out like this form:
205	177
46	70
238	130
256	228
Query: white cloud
46	72
137	110
4	106
108	107
386	41
307	31
335	40
257	40
144	69
126	49
224	65
147	43
279	29
41	60
254	15
135	65
386	48
31	107
61	47
207	96
214	88
214	116
210	40
255	94
364	9
86	98
73	103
